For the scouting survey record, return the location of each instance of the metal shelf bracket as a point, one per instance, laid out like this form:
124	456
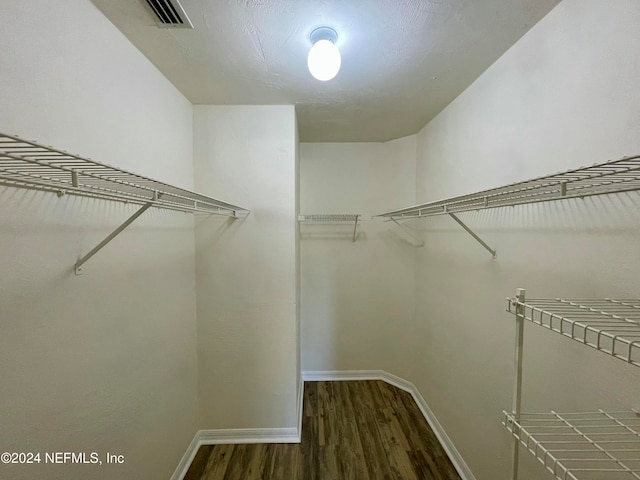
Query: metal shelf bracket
28	164
473	234
617	176
114	234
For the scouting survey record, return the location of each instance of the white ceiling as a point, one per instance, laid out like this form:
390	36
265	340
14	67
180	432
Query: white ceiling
403	61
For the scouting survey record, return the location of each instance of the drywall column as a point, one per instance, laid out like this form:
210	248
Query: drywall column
246	269
564	96
106	361
300	383
357	297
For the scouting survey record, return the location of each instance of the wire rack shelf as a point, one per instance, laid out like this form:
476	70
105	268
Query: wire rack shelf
608	325
28	164
615	176
329	218
332	218
581	446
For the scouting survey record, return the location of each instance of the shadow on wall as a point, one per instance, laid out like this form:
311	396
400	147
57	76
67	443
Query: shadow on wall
591	214
355	296
402	234
319	280
214	229
390	235
332	231
581	248
104	346
50	232
332	236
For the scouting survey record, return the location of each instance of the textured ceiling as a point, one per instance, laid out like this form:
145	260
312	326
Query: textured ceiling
403	61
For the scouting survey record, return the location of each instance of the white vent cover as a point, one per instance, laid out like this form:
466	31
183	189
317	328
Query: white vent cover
169	13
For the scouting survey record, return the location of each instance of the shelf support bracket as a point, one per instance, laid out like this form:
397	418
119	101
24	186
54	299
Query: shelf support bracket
417	243
115	233
473	234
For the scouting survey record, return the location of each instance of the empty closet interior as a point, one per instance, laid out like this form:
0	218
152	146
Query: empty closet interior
181	252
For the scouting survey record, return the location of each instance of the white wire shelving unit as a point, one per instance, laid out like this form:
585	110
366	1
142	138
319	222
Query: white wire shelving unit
596	445
28	164
582	446
331	219
615	176
611	326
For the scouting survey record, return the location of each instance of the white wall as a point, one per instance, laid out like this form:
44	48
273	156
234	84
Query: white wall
299	383
356	297
105	361
246	269
564	96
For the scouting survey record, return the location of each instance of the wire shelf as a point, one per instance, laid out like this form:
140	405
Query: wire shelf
581	446
610	177
27	164
332	218
608	325
329	218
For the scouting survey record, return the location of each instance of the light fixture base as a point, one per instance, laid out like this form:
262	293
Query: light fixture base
324	33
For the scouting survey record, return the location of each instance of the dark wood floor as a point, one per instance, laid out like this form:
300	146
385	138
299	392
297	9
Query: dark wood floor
363	430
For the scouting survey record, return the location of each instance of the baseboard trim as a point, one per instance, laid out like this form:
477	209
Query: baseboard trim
187	458
233	435
292	435
337	375
249	435
241	435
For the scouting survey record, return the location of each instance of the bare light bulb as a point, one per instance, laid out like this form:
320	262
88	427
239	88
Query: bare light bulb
324	59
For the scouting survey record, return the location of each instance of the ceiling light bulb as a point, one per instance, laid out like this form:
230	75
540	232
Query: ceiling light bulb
324	57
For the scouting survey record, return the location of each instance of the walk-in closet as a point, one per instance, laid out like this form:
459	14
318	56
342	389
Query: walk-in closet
319	240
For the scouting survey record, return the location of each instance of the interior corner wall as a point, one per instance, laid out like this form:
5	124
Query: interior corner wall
246	268
357	298
106	361
299	381
564	96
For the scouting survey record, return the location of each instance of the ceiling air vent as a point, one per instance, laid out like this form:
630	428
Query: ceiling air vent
169	13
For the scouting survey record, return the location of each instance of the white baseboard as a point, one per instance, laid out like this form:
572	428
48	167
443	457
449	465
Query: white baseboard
233	435
292	435
336	375
249	435
187	458
241	435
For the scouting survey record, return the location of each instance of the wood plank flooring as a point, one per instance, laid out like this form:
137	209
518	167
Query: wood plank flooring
360	430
